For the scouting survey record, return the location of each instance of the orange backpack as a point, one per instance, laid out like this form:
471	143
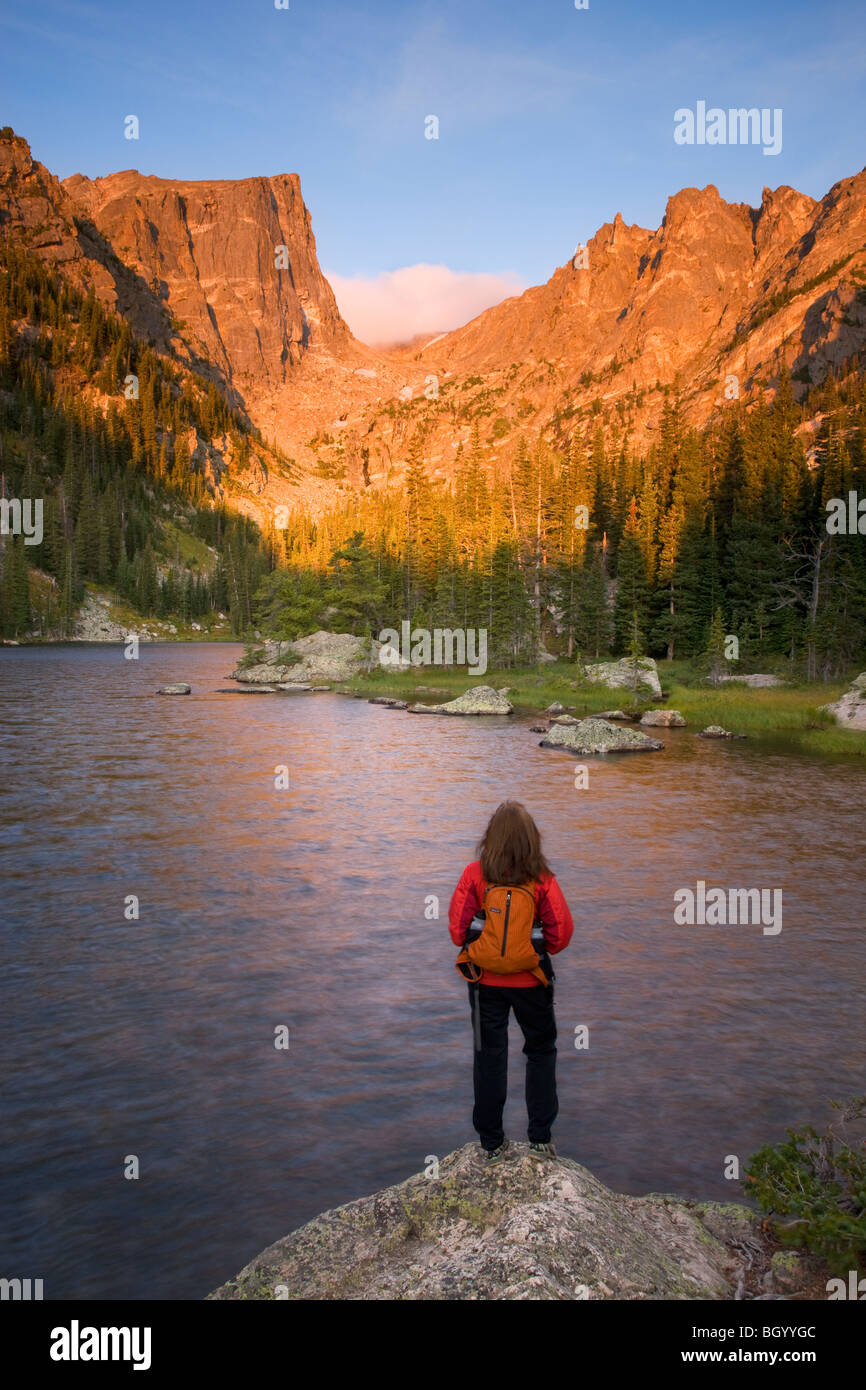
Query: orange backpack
505	944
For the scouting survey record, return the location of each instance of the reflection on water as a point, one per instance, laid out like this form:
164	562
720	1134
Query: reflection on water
305	907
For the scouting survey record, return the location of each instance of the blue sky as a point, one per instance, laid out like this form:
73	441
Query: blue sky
551	119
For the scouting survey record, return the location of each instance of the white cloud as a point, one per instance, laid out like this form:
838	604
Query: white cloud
396	305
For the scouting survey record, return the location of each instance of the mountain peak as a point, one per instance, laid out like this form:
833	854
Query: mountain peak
224	275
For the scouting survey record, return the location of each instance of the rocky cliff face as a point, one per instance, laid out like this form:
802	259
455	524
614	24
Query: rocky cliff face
716	298
38	213
524	1229
211	252
234	264
224	276
720	290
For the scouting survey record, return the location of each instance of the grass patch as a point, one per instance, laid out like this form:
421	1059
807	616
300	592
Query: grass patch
179	545
783	709
530	690
846	741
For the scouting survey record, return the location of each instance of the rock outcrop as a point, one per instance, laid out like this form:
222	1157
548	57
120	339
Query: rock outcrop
759	681
525	1229
481	699
598	736
323	656
621	675
850	710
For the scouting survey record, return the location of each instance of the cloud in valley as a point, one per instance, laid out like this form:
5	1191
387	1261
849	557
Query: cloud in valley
397	305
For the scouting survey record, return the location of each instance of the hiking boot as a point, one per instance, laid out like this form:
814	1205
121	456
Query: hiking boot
494	1155
538	1150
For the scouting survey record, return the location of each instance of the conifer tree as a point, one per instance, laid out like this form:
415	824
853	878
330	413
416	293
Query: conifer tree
632	597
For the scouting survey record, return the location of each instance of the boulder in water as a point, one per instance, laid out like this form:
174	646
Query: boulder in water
179	688
662	718
599	736
481	699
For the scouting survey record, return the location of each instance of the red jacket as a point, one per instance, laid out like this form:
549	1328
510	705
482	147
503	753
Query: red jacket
551	909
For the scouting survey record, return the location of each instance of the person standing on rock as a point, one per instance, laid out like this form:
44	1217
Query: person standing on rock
513	887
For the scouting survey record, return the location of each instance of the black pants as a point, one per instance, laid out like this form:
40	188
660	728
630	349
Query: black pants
533	1009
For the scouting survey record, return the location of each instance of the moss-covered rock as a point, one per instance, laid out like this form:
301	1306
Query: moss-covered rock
598	736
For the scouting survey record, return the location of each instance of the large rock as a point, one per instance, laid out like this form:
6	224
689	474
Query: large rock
599	736
850	710
324	656
756	682
662	718
620	675
525	1229
481	699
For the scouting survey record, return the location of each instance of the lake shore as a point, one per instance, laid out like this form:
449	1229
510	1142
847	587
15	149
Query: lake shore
790	711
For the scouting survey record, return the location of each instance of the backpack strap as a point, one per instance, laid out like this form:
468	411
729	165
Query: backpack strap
468	969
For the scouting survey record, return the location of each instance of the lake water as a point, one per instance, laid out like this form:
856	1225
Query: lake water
306	908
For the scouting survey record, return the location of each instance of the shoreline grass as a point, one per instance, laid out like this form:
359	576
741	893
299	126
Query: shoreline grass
790	711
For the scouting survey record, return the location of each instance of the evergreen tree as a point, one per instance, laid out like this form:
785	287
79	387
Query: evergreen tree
632	597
